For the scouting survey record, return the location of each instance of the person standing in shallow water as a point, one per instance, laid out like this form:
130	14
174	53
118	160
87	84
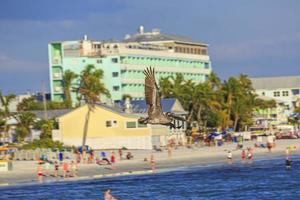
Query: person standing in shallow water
288	163
152	162
108	196
40	172
250	155
243	155
229	157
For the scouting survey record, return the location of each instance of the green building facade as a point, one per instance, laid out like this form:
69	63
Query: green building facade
123	62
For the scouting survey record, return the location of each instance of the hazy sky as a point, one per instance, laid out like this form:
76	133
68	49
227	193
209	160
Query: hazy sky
257	37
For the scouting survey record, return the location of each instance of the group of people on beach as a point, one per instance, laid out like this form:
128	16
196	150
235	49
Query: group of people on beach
246	155
56	169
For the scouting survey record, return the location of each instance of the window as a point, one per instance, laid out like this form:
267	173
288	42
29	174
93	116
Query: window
111	123
99	61
142	125
206	77
115	74
296	91
285	93
206	65
114	60
108	123
287	107
116	88
263	93
276	94
130	124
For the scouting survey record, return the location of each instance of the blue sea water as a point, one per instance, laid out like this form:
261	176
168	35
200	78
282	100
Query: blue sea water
264	179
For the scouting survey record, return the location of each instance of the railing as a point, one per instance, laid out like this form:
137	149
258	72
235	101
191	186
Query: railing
195	70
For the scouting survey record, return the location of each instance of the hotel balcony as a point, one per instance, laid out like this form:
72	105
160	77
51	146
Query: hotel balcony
58	90
57	76
195	70
132	81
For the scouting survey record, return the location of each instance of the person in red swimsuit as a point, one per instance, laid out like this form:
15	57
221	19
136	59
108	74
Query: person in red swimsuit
40	173
112	160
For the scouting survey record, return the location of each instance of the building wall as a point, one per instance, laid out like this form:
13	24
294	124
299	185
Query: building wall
99	135
128	64
287	96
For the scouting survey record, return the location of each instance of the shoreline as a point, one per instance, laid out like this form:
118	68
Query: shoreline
181	158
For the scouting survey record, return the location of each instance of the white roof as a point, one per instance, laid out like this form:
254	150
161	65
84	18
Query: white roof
270	83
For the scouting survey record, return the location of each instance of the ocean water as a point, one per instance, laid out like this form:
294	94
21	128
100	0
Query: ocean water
264	179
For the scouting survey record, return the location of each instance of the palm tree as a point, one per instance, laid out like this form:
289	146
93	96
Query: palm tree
68	77
90	89
5	101
25	122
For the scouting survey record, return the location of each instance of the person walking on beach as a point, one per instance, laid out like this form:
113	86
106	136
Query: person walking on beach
108	196
229	157
152	162
120	154
74	168
56	168
78	156
46	168
65	169
61	156
112	160
250	155
40	172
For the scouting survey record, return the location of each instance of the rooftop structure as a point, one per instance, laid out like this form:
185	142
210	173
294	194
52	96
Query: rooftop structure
123	62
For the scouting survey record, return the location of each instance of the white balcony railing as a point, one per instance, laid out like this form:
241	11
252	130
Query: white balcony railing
58	89
57	75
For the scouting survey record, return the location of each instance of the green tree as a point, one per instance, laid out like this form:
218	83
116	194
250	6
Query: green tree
25	122
90	89
68	78
46	127
31	103
5	112
5	101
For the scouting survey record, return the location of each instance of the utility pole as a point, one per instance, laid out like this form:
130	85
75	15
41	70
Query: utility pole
44	101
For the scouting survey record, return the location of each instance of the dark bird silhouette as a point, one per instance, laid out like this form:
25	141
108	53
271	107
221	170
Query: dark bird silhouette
155	111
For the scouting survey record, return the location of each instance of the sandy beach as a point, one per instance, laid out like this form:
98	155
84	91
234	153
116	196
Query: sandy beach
24	172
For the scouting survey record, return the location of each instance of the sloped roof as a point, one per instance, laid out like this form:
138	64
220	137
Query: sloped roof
51	113
276	82
140	106
148	37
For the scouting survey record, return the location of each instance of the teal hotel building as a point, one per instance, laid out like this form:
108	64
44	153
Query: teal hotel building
123	62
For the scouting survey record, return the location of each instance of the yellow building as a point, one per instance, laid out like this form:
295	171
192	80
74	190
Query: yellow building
108	128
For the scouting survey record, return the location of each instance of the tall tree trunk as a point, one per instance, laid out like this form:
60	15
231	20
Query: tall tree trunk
199	115
86	126
68	98
236	119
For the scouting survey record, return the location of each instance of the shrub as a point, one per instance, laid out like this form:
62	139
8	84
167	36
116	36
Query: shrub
44	144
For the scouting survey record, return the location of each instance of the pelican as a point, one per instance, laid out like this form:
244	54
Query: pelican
155	111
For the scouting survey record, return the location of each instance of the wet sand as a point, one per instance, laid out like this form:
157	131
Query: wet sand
24	172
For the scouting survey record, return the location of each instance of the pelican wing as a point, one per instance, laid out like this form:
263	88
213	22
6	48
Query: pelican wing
151	92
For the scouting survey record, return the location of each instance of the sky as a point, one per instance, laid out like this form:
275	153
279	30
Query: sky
257	37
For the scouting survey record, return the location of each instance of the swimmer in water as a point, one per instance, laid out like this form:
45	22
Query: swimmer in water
229	157
108	196
288	163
